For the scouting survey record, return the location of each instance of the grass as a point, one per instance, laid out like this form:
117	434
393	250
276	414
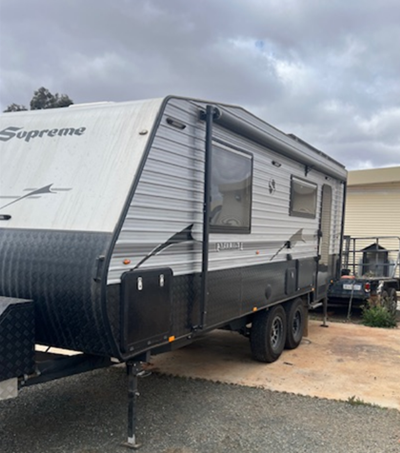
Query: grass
356	401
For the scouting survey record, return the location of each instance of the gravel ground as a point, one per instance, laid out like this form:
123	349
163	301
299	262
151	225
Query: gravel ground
87	414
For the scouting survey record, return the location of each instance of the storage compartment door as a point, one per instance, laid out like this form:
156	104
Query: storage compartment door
145	308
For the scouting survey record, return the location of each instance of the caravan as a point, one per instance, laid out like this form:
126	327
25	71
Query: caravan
130	228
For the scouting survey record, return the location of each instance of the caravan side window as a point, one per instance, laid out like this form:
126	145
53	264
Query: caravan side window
303	198
231	189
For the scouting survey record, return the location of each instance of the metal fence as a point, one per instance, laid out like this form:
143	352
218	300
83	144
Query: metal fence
372	256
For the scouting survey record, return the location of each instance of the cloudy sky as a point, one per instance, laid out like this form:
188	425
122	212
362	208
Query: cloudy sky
327	71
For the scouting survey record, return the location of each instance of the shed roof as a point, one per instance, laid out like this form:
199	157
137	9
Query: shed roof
373	176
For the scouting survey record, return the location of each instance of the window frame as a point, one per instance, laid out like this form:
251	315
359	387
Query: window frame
294	213
221	229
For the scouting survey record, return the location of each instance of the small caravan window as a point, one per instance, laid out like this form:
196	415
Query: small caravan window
303	198
231	188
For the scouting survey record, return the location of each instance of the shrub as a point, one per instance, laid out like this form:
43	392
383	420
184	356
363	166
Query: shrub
378	315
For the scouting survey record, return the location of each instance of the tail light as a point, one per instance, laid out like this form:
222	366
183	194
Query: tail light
367	286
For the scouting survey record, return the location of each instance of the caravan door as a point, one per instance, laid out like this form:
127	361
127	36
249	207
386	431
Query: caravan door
323	270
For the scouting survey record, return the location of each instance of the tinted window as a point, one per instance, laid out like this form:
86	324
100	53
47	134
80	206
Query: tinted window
303	202
231	188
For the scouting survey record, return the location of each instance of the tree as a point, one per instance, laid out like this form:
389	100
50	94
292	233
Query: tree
15	108
43	99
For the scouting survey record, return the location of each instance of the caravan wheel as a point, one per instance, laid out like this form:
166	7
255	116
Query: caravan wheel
268	334
295	323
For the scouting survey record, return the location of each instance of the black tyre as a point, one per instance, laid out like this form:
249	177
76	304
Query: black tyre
384	295
268	334
295	316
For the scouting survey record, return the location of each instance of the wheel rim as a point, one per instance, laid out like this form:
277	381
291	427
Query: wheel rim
276	333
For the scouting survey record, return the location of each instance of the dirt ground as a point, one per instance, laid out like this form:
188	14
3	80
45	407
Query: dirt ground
339	362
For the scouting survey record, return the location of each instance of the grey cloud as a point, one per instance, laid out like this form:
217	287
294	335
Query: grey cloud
328	72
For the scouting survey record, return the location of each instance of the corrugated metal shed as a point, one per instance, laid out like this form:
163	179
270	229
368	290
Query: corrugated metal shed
373	202
374	176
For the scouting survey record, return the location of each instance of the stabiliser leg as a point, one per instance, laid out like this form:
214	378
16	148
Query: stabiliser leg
325	307
133	369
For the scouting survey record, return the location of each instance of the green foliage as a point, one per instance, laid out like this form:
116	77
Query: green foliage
378	315
15	108
43	99
356	401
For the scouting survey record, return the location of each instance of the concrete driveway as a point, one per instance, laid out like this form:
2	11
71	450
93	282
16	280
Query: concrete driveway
338	362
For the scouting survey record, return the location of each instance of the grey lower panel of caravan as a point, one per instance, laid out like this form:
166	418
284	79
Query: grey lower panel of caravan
61	272
232	293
